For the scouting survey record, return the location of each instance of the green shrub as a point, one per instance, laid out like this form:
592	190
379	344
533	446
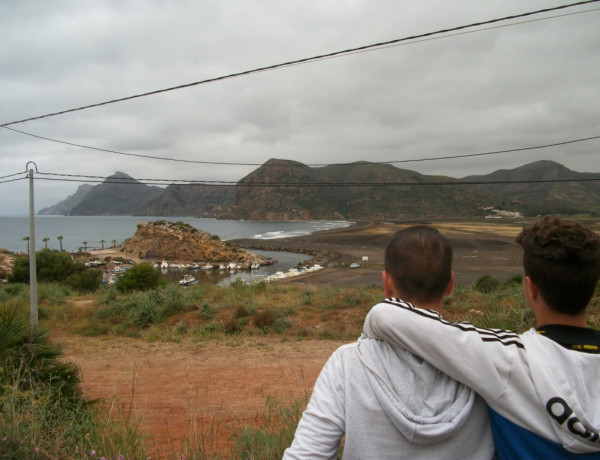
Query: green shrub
30	360
13	290
486	283
515	279
86	280
142	310
287	311
180	329
308	297
207	312
55	266
281	325
171	299
211	328
141	277
53	294
44	412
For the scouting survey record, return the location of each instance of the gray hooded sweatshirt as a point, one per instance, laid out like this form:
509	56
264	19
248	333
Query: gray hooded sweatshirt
389	404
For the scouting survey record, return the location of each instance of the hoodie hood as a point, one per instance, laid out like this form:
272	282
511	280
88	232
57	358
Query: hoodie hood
424	404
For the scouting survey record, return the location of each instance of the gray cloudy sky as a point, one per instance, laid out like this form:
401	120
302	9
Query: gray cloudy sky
508	87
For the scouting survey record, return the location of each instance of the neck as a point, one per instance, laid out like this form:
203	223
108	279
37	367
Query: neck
547	317
436	306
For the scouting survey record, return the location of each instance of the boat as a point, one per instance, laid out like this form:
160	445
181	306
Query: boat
164	265
187	280
254	265
194	266
207	267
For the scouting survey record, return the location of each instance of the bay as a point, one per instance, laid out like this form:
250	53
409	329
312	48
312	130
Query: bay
90	231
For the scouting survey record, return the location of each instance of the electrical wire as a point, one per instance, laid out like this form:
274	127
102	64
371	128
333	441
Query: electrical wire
304	60
224	163
14	174
12	180
132	181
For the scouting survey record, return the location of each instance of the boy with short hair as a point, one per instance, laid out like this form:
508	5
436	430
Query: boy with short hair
543	386
387	402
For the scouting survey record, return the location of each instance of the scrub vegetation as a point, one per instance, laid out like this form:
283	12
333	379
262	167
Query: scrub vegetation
45	414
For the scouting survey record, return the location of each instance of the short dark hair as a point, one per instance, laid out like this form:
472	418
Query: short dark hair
419	259
563	259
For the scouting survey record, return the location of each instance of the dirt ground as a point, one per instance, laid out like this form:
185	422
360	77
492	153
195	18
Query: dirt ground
177	388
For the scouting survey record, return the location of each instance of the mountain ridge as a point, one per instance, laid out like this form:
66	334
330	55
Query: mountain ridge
289	190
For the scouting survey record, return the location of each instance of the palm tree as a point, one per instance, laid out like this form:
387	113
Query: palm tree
26	238
102	243
84	245
114	243
60	238
32	362
45	240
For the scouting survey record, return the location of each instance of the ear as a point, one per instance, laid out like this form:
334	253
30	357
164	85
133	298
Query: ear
388	284
530	288
450	286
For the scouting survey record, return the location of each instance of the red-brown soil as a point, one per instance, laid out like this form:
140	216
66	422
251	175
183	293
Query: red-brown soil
180	389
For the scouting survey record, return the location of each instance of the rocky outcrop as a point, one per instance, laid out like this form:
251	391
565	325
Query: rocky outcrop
180	242
64	207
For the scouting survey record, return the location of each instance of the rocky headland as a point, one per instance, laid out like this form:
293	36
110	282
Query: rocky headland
180	242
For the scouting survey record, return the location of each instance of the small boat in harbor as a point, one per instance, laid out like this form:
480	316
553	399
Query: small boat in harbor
187	280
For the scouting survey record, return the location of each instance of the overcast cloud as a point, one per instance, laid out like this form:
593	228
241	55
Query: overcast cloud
508	87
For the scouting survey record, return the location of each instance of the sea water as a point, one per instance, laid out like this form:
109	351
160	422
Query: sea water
89	231
92	232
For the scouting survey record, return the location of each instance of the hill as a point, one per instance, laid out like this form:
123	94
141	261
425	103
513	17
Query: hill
161	240
283	190
190	200
564	192
119	194
65	206
289	190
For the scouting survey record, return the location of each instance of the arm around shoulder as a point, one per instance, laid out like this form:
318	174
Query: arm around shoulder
460	350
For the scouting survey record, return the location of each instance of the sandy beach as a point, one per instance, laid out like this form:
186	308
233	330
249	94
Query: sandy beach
479	248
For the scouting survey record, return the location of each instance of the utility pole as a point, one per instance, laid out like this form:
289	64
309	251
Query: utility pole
33	301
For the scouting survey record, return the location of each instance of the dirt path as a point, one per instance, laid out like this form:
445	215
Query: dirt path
178	388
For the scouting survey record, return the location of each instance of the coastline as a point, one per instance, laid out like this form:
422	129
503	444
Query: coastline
479	248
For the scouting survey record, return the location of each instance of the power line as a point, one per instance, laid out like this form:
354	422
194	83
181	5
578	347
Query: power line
12	180
223	163
14	174
304	60
132	181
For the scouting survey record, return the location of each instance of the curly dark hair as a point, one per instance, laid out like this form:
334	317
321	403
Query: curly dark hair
563	259
419	259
